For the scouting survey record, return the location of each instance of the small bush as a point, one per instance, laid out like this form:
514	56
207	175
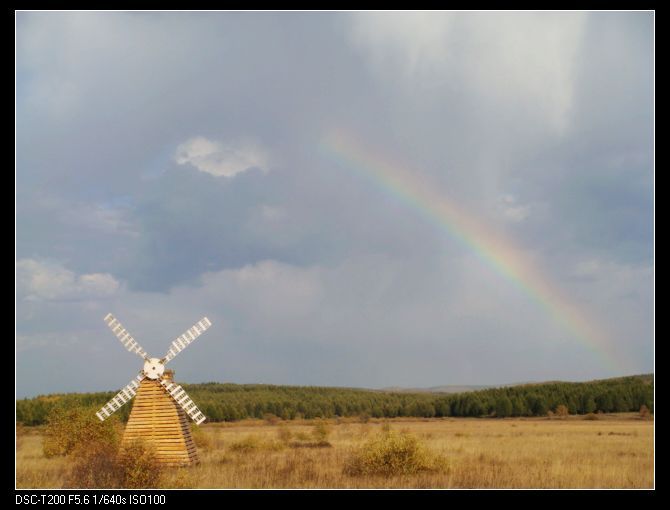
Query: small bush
591	417
364	418
247	444
254	443
318	438
320	432
69	427
139	466
301	436
183	478
562	411
95	466
271	419
391	453
100	465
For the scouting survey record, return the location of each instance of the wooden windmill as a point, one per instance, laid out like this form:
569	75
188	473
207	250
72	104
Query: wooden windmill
159	414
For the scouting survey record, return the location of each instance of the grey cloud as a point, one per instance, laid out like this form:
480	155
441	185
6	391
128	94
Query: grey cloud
375	319
553	110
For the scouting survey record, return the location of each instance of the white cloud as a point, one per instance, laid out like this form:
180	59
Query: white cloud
221	159
49	281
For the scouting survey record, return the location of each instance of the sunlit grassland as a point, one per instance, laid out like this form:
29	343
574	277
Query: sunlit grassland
613	451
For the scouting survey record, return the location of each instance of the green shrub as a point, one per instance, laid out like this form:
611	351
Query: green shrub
100	465
320	432
391	453
95	466
255	443
69	427
139	467
251	442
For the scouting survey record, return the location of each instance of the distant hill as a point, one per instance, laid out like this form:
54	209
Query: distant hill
450	388
454	388
229	402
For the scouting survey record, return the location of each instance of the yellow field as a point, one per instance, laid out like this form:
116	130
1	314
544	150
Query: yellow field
486	453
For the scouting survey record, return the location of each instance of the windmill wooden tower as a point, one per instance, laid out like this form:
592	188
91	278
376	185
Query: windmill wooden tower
159	414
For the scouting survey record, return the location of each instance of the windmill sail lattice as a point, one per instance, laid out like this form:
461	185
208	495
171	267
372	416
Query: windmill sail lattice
120	398
161	409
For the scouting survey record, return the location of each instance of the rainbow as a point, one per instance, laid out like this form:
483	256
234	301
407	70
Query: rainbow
504	257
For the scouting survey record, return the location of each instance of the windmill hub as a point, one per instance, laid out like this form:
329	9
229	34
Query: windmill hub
153	368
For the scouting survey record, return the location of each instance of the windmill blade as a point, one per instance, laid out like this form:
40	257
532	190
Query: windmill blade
120	399
182	341
180	396
124	337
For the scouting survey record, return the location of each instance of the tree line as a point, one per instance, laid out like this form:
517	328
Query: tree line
230	402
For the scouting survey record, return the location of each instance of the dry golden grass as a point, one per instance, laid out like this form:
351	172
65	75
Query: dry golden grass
33	469
608	452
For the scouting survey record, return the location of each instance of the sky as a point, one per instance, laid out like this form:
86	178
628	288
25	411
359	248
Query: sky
353	199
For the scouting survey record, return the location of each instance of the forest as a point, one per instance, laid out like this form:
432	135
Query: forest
231	402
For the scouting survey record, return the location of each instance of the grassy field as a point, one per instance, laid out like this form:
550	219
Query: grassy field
613	451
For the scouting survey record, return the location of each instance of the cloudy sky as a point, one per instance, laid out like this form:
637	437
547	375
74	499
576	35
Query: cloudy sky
171	166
